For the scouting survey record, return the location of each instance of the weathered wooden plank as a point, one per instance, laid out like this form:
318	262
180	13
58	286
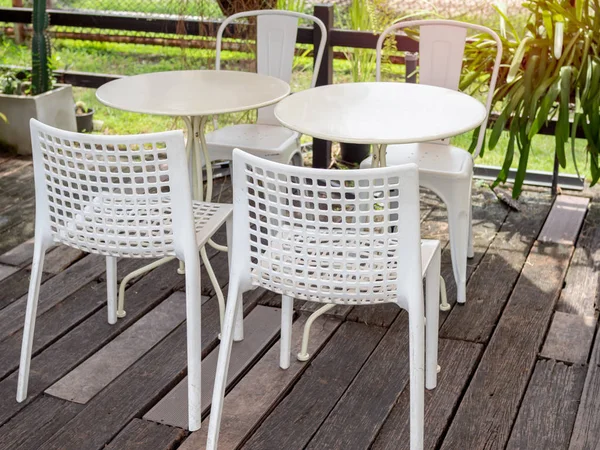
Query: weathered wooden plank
436	226
17	214
61	257
274	301
300	414
569	338
366	402
262	388
382	315
53	292
86	338
261	328
489	214
16	187
502	376
143	435
94	374
492	282
582	286
457	360
6	271
59	319
564	221
35	424
21	231
17	285
586	432
547	414
141	386
21	255
13	164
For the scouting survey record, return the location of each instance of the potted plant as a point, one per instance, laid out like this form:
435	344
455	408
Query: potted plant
84	117
551	70
27	96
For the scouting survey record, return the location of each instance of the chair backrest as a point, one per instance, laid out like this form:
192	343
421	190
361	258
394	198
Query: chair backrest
276	33
341	236
441	52
112	195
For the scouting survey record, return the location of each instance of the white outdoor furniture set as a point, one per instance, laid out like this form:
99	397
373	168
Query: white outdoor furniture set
333	237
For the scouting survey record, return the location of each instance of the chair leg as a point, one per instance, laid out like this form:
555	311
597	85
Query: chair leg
296	159
222	367
432	313
287	313
238	331
458	222
470	249
37	266
194	344
238	334
417	388
111	288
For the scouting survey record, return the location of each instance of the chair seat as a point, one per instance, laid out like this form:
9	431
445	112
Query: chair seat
367	274
431	157
254	138
208	218
135	214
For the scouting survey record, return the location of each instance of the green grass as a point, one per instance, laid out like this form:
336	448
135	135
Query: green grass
541	156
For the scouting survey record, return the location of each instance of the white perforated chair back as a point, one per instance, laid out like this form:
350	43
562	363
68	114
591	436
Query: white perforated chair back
329	236
441	53
113	195
275	43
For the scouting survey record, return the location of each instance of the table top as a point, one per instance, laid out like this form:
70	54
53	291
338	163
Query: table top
380	113
192	92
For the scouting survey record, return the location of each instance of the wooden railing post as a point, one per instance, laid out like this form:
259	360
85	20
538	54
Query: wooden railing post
19	27
410	65
321	148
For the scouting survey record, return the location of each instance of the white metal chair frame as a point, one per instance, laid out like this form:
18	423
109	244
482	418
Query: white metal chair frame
276	39
334	237
441	50
112	196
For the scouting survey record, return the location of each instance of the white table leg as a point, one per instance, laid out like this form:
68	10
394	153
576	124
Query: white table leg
379	155
196	143
199	145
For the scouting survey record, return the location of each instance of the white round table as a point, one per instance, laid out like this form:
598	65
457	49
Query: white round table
192	95
380	114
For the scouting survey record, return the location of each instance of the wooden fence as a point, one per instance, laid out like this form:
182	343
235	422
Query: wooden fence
186	26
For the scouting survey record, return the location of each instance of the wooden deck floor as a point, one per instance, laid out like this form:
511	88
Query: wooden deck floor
520	367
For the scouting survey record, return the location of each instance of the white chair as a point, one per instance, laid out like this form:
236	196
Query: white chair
275	44
334	237
112	196
443	168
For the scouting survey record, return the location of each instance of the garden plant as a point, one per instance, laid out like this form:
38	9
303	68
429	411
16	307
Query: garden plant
551	71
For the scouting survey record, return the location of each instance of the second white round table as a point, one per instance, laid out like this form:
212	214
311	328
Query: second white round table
380	114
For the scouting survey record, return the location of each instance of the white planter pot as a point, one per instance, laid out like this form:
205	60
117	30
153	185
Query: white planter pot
54	108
